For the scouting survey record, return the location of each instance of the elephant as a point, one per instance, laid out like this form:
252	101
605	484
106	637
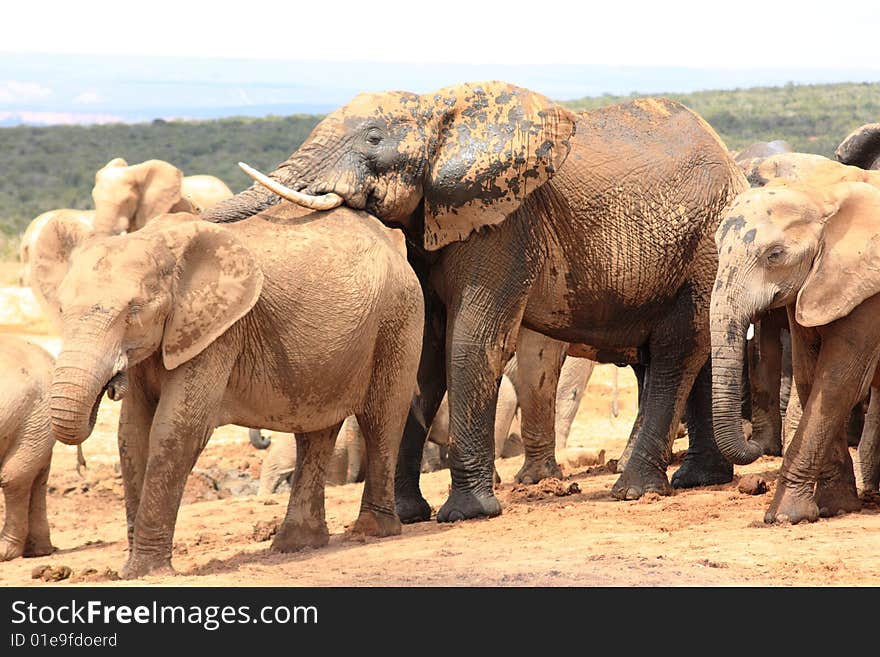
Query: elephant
861	147
808	247
592	228
25	447
291	320
762	149
869	445
127	196
85	218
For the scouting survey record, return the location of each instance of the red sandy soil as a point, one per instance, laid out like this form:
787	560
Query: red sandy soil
709	536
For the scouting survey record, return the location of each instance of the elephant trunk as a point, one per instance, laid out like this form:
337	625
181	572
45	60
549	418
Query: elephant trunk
78	383
251	201
728	348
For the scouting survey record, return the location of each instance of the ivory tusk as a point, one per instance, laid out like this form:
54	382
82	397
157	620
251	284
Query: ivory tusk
322	202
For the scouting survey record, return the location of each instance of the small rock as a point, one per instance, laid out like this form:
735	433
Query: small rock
752	485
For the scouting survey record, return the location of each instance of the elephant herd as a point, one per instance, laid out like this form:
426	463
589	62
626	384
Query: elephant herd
396	261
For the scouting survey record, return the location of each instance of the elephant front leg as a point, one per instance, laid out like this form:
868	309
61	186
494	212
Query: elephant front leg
16	495
539	362
836	492
19	473
431	386
135	421
304	524
641	372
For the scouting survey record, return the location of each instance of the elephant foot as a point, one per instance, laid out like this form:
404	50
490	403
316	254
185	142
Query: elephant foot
463	505
38	547
412	509
837	497
702	469
10	549
292	537
373	523
140	565
534	470
770	443
792	504
634	483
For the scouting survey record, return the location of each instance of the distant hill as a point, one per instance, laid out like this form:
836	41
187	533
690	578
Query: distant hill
42	168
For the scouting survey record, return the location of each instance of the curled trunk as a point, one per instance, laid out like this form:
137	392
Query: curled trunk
78	383
728	348
251	201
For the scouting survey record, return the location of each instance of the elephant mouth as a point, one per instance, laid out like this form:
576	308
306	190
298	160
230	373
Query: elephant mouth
116	388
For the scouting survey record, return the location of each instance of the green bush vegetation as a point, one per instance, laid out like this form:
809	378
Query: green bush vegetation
43	168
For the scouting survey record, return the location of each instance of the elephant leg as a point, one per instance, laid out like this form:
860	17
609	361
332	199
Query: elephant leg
830	383
869	445
484	309
431	387
133	439
39	542
703	465
304	524
679	348
257	439
765	381
641	372
539	361
504	414
16	479
856	424
836	491
573	379
278	465
786	382
357	467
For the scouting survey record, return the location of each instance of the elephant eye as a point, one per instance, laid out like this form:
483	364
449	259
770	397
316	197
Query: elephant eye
775	253
374	138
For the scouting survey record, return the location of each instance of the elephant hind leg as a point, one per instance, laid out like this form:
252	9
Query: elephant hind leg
304	524
38	542
869	445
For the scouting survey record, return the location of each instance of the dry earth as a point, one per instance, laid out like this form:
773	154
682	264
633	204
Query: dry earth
711	536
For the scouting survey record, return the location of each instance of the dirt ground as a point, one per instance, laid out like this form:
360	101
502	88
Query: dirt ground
710	536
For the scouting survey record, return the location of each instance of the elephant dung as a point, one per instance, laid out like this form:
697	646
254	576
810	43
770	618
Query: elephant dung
752	485
49	573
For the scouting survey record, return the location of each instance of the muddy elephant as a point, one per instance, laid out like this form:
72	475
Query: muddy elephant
811	249
591	228
194	326
861	147
25	447
761	149
127	196
84	218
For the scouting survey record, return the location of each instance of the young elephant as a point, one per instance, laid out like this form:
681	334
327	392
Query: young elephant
291	320
25	447
812	249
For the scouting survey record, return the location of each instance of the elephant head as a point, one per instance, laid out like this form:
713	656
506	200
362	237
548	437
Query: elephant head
861	148
812	248
173	288
126	197
466	155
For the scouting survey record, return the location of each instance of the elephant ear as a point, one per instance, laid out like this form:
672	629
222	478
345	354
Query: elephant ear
50	255
846	271
861	147
217	282
160	191
497	143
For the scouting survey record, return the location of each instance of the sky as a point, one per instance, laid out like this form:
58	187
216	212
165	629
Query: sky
733	34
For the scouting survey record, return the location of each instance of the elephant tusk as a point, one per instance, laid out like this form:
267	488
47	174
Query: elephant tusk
323	202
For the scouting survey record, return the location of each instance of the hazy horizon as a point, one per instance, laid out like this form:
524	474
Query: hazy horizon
46	89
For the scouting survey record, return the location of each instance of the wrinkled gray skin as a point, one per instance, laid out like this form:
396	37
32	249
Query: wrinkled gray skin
593	229
25	447
861	148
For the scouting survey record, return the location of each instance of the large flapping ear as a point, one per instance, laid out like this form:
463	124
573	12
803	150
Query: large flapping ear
846	271
160	190
496	144
50	255
217	282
